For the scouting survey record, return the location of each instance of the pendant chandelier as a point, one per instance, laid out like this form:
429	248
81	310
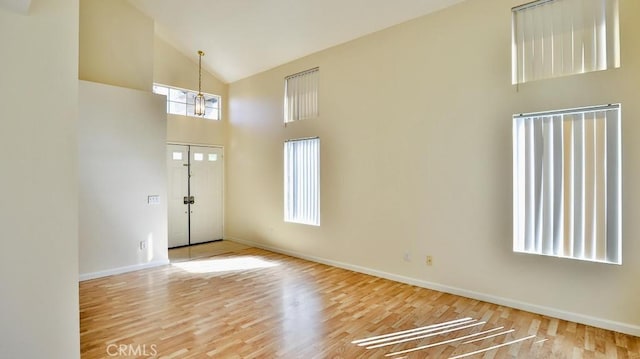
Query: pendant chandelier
199	100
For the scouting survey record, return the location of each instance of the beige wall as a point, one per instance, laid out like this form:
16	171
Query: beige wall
116	44
118	47
175	69
415	128
121	144
38	182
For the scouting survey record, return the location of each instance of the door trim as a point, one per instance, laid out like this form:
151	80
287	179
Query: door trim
224	185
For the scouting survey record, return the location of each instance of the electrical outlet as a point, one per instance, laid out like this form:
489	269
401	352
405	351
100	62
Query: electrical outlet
429	260
143	245
154	199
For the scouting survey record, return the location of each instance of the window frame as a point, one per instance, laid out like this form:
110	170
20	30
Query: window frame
567	183
301	103
300	206
189	94
555	38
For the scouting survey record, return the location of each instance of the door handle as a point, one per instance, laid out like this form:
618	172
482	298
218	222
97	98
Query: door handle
188	200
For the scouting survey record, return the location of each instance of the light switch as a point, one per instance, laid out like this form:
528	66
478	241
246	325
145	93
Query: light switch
155	199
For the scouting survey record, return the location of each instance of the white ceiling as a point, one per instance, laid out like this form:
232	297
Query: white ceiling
244	37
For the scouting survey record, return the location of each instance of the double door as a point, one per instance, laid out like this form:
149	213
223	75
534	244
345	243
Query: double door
195	194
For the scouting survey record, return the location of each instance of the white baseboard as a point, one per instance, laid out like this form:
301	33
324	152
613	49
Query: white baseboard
529	307
120	270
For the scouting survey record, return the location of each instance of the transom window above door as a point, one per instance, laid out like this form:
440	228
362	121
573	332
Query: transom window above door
182	102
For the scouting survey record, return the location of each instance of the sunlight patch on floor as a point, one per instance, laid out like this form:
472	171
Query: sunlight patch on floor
457	327
224	264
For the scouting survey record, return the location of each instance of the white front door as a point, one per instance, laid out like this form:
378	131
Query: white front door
178	188
195	194
206	189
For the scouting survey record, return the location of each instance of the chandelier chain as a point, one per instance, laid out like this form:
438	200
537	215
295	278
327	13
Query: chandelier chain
200	53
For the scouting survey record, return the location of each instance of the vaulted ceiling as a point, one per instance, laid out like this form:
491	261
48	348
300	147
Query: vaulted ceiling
244	37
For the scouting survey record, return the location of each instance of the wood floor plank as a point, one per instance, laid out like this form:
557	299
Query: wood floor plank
275	306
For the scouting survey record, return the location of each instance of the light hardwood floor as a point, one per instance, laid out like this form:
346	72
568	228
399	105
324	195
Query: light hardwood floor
226	300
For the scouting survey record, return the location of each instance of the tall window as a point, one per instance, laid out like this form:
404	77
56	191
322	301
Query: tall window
554	38
567	183
302	181
182	102
301	96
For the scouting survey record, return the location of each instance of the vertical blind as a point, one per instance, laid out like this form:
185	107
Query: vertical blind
567	183
554	38
301	95
302	181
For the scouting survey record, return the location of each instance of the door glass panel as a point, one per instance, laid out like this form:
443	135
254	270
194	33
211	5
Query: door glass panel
177	156
198	156
213	157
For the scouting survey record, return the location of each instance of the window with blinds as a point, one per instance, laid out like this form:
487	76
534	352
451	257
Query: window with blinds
301	95
554	38
302	181
567	183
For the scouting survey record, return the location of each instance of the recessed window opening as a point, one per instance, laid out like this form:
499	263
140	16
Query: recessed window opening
567	187
301	95
554	38
302	181
182	102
